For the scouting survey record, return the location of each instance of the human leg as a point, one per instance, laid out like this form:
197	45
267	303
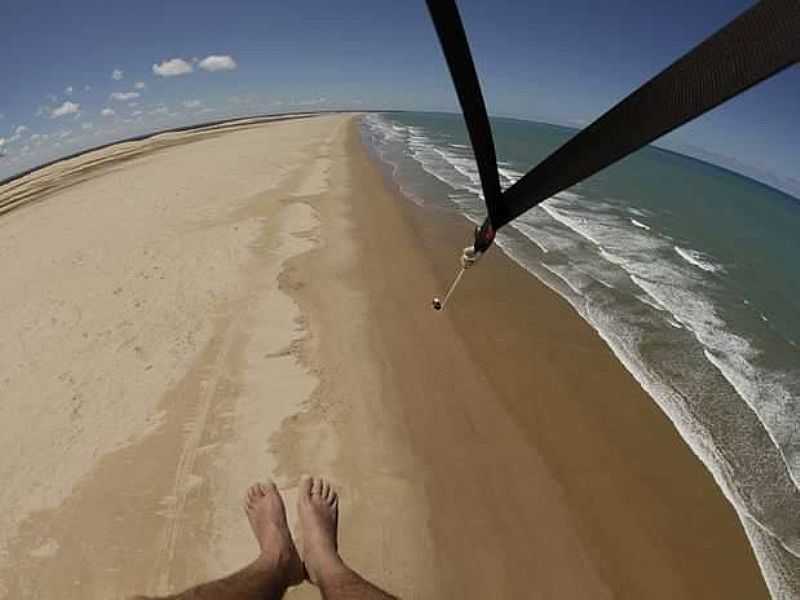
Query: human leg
318	508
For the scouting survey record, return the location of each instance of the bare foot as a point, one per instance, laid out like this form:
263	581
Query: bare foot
318	508
267	515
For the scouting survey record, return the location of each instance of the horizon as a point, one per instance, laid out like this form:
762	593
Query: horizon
565	66
266	116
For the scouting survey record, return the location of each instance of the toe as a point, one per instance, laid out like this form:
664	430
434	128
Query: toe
326	489
252	493
316	488
334	499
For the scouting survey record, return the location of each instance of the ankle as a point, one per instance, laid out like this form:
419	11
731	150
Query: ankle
330	569
334	574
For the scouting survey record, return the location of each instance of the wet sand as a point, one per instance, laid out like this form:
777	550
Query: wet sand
497	449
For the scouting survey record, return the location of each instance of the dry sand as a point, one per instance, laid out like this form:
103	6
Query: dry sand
222	306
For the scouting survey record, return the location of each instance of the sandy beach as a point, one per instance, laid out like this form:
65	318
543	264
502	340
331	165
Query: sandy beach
186	314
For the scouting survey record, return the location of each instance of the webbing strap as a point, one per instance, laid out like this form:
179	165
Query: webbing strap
756	45
462	70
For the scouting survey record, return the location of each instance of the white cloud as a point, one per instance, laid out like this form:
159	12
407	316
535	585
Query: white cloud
140	85
133	104
107	112
86	126
64	133
18	133
26	149
124	96
159	110
172	68
67	108
86	88
136	113
217	63
68	91
116	74
192	104
52	97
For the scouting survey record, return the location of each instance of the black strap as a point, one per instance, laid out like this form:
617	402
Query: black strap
756	45
456	50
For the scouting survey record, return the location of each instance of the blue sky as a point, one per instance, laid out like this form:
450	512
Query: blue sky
564	61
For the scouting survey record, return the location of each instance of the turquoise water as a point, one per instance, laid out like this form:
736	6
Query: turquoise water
688	271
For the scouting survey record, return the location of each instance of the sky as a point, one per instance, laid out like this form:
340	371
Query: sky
77	74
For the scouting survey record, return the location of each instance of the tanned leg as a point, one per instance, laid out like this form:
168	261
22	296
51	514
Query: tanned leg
318	508
277	567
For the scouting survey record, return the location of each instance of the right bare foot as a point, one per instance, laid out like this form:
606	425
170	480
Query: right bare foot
318	508
267	516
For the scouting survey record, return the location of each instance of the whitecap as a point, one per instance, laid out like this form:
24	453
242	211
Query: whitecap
698	259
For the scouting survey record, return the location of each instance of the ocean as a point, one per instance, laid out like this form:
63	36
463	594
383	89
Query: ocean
689	273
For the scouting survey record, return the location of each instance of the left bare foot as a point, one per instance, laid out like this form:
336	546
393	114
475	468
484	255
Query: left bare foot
267	515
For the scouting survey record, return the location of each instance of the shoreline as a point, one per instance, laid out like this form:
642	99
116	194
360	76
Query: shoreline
715	516
690	336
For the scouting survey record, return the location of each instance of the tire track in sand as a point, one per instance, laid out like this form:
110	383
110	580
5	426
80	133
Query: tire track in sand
185	480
